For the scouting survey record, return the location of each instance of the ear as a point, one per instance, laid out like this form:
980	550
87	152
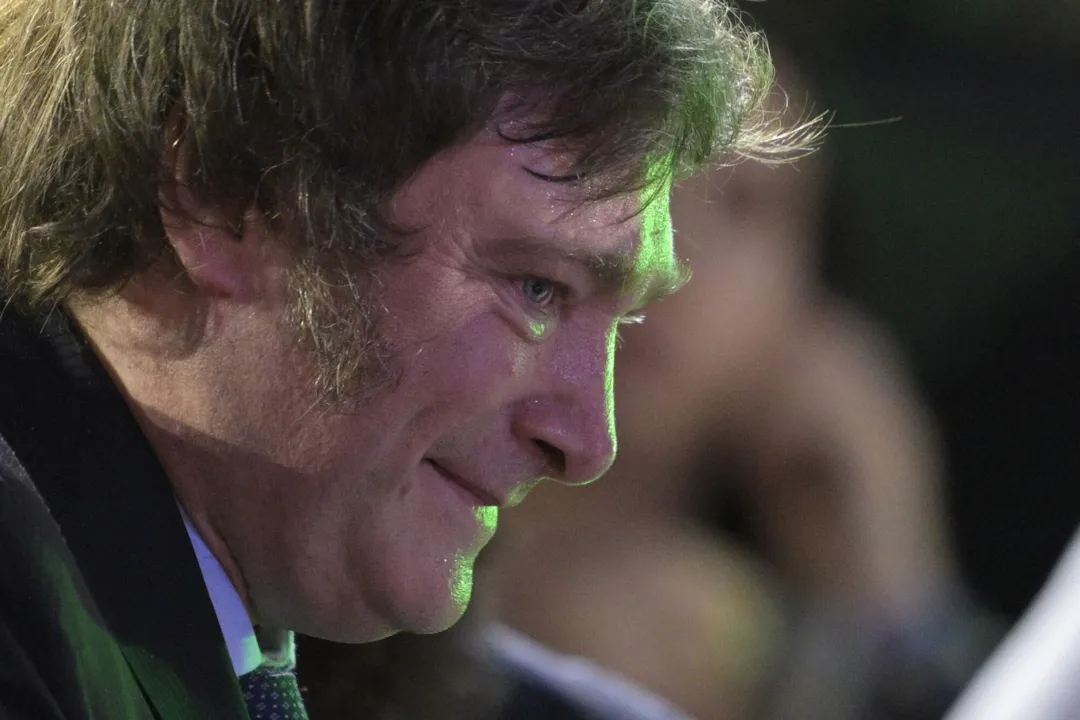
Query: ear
216	251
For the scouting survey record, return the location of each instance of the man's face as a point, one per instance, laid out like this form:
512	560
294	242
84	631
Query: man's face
501	324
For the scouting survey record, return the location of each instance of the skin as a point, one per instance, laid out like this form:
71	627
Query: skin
501	325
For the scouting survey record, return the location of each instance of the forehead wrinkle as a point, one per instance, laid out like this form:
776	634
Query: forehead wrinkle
639	264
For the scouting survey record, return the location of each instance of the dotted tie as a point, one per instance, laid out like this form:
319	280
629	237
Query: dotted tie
272	695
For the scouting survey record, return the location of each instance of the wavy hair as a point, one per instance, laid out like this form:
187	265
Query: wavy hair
316	111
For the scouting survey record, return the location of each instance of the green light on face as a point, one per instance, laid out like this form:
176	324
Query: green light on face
537	328
655	256
488	518
461	574
609	385
657	252
461	582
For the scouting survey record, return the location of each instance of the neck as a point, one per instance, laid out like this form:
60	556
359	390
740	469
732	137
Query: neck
149	364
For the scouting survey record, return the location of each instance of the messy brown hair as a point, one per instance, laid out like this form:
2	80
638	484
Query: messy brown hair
316	111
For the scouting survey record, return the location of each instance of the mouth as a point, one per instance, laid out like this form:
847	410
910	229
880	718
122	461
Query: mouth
479	496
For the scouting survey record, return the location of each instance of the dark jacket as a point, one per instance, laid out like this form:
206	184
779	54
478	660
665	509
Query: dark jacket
103	609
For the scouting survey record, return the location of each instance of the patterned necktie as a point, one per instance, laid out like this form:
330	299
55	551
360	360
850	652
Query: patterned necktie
272	694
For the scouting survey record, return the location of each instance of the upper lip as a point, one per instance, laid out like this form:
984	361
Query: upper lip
485	496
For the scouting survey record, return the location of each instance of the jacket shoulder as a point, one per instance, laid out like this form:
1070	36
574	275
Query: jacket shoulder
58	658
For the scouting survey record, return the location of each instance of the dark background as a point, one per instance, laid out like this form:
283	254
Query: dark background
958	226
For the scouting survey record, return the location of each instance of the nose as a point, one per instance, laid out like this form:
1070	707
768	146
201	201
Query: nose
570	420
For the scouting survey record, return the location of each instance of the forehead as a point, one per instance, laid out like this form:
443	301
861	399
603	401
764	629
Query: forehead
486	192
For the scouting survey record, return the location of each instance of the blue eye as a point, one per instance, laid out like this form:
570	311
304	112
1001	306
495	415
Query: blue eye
538	290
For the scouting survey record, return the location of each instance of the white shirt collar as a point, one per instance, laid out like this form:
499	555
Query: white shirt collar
232	616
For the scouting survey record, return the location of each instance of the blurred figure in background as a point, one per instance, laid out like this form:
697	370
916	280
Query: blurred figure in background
958	226
626	574
755	375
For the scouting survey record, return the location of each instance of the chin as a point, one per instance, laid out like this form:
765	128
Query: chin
444	622
437	609
347	628
421	603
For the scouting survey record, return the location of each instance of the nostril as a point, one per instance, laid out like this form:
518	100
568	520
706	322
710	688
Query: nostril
556	458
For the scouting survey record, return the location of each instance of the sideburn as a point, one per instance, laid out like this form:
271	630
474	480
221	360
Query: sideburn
337	323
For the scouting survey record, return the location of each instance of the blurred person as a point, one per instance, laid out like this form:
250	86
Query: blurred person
297	296
754	370
973	265
625	575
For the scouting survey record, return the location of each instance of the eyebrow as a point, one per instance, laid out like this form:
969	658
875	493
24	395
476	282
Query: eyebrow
614	272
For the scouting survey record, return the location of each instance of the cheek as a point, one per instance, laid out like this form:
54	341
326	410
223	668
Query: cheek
476	363
446	333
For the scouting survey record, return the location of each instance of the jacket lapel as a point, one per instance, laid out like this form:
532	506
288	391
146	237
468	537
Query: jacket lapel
79	442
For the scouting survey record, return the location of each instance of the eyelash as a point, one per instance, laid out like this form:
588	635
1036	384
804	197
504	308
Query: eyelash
634	318
559	292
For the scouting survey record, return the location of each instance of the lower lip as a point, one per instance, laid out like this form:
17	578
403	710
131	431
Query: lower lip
466	495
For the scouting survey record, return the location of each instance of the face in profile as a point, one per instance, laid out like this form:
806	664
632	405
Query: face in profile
500	321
